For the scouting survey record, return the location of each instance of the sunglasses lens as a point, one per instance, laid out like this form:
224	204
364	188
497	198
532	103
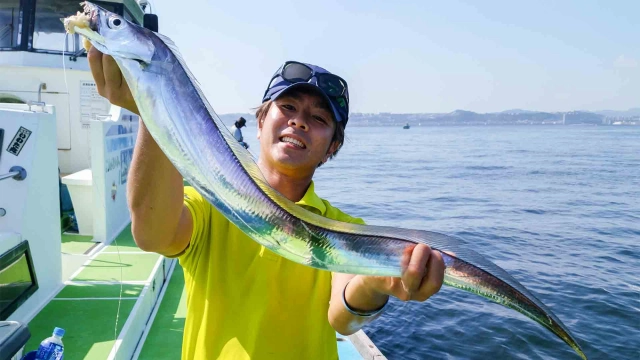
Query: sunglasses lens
295	73
332	85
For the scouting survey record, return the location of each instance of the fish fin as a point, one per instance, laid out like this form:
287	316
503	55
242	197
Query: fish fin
176	52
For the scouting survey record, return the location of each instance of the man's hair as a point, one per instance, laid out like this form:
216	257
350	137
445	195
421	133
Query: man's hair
338	134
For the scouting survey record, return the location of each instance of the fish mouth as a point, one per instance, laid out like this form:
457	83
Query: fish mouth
92	11
86	23
111	33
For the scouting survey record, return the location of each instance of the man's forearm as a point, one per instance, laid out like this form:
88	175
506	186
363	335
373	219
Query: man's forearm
358	298
155	193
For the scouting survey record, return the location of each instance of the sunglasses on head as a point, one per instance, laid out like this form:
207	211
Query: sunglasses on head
333	86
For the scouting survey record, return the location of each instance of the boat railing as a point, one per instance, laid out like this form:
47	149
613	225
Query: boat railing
42	86
36	103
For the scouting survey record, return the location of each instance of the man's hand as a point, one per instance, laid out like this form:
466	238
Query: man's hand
109	80
422	276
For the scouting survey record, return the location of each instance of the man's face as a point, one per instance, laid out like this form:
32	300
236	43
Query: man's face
296	135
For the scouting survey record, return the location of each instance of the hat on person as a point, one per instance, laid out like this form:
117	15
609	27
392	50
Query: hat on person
293	74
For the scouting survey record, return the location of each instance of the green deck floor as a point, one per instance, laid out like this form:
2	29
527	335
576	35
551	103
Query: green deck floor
89	326
88	311
125	242
77	244
165	337
135	267
99	291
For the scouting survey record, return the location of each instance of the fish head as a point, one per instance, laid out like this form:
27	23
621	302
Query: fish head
114	35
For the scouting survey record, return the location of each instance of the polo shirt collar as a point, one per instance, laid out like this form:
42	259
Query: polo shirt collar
311	199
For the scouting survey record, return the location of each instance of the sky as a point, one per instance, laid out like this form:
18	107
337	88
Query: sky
417	56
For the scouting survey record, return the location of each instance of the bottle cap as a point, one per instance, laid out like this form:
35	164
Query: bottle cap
58	332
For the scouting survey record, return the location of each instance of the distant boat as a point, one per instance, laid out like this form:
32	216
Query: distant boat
406	126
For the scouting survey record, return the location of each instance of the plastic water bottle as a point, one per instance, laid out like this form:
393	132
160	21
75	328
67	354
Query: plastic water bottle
51	348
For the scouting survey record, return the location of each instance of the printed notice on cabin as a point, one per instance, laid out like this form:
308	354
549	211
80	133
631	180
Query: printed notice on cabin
21	137
92	105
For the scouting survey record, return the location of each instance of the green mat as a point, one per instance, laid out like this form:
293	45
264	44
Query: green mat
165	337
99	291
105	267
88	326
76	244
125	242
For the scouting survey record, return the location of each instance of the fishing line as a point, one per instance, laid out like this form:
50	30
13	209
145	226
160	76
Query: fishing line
115	240
66	85
115	329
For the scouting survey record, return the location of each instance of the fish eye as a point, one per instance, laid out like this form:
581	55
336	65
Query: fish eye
114	22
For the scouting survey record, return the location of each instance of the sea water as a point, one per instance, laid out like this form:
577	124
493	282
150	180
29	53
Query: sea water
558	207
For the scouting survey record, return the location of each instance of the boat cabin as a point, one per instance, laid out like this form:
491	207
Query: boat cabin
32	69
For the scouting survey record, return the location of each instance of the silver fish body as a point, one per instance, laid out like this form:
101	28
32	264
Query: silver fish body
194	139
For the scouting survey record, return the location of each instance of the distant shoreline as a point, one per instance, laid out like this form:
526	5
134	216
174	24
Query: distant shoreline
516	117
399	125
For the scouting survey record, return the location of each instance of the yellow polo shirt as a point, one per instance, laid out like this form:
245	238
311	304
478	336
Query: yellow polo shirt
246	302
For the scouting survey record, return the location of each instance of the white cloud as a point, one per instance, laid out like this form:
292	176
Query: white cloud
626	62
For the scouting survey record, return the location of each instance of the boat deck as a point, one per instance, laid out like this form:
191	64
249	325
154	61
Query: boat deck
87	305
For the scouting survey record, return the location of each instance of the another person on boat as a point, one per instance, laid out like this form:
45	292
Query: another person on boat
237	133
243	301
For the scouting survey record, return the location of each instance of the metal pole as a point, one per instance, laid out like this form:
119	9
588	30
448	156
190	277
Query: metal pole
8	175
16	172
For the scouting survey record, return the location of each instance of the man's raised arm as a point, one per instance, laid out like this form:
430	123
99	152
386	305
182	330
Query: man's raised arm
160	222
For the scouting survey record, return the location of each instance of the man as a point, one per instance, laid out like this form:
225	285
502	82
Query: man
243	301
237	133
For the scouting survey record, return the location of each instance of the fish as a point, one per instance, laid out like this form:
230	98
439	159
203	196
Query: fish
192	136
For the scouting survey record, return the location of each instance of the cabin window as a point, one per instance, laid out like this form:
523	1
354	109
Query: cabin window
9	23
17	278
48	30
